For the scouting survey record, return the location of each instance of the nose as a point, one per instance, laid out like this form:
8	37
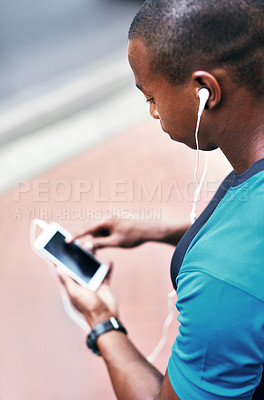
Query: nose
153	111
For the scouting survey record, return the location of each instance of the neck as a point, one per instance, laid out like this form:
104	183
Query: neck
244	145
245	153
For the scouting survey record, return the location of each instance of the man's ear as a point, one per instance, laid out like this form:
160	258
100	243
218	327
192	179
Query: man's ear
207	80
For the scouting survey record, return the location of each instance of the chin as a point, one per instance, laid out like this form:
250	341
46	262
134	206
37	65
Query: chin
212	147
164	129
208	147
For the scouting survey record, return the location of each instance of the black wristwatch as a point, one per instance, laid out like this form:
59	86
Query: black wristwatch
103	327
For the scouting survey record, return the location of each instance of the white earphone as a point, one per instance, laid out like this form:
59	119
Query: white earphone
204	95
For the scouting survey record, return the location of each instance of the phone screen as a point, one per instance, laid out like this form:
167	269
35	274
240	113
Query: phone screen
73	257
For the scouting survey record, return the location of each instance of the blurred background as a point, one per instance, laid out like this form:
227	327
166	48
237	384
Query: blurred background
76	146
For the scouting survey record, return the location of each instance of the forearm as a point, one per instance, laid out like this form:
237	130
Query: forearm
169	232
132	376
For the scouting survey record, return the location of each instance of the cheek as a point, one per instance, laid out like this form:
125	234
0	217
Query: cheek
177	123
176	112
168	115
172	121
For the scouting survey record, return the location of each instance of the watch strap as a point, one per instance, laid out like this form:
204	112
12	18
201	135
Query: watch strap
101	328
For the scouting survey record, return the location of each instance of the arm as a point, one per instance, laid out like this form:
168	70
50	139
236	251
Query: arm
170	232
132	376
131	233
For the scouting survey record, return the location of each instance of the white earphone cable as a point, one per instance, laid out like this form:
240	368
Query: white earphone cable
204	95
165	328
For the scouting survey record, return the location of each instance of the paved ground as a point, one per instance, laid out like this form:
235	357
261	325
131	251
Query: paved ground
42	353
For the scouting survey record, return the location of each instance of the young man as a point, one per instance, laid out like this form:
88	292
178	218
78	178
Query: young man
177	47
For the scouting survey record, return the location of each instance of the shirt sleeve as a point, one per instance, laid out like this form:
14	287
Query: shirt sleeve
218	353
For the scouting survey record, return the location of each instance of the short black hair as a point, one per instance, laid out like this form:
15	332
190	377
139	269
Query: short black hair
183	34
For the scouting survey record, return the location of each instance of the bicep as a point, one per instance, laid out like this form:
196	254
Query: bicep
166	391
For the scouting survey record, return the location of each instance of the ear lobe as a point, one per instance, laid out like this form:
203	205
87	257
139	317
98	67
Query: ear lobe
207	80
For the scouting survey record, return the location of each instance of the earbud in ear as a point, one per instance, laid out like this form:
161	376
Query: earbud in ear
204	95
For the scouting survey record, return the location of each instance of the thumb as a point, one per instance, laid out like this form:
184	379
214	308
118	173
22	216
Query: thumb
70	285
108	277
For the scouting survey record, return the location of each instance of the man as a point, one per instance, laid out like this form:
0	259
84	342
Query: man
177	47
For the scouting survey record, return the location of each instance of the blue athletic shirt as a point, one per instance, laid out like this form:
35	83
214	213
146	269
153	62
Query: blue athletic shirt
218	270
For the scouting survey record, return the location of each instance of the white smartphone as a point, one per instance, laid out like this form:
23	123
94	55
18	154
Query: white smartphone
80	264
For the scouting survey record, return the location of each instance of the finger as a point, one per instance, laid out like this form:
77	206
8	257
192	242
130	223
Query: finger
70	285
102	229
109	241
89	245
109	273
76	236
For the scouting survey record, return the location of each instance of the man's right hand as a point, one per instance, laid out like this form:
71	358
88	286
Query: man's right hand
114	233
129	233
